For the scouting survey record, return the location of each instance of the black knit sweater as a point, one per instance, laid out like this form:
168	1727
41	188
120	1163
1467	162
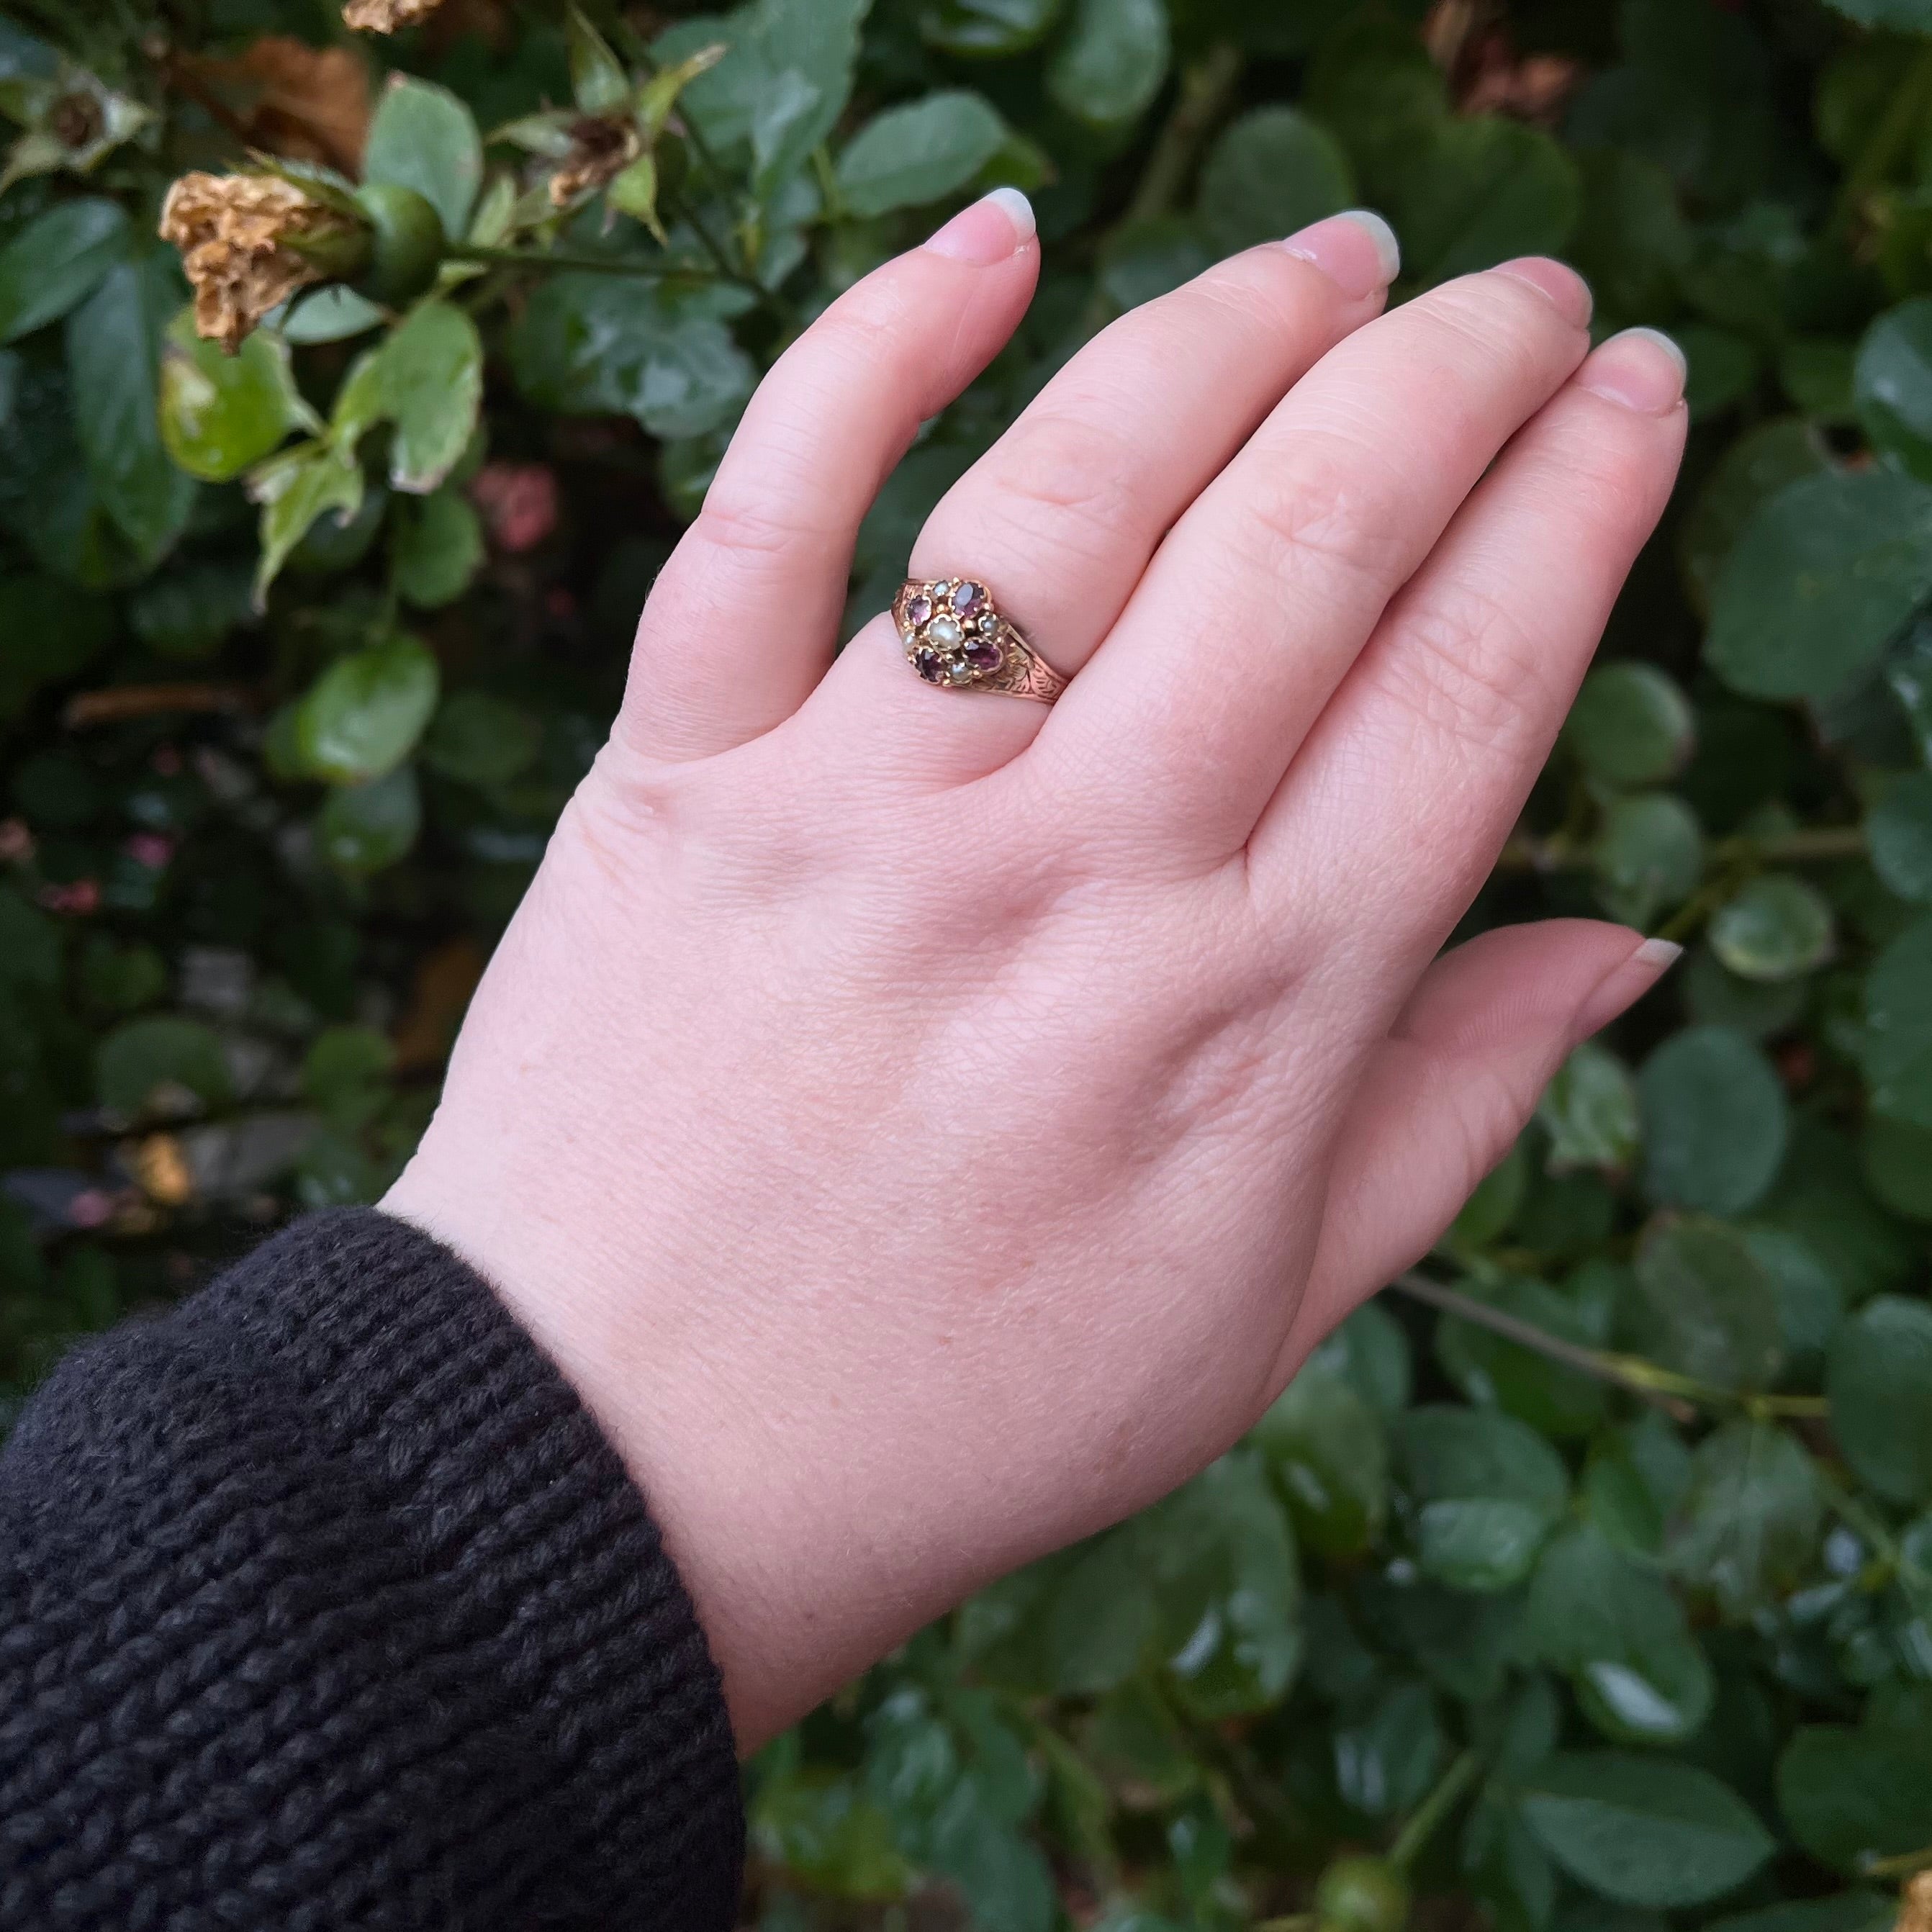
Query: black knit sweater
323	1604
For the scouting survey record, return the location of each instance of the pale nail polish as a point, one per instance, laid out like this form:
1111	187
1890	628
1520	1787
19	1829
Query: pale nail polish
1356	250
988	231
1624	985
1566	290
1641	368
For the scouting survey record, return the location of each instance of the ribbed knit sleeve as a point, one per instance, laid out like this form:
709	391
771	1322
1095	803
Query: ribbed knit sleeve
324	1603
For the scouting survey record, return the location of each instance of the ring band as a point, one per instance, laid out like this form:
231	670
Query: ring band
956	637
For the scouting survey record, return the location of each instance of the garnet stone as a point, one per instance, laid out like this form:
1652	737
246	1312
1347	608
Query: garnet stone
925	661
967	596
983	655
918	609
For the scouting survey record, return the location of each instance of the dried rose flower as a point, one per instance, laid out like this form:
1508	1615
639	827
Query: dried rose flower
601	148
386	16
242	238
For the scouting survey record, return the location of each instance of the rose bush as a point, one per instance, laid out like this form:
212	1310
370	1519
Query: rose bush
1584	1578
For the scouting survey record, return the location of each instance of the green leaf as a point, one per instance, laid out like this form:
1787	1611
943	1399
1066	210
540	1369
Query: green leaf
798	56
1631	725
1898	1159
1751	1521
1642	1831
1850	1796
432	388
817	1825
587	344
986	29
1900	833
362	717
423	137
1891	386
1111	63
597	82
479	739
1897	1043
57	261
1328	1451
1481	191
1494	1372
52	631
1878	1376
918	152
1857	1911
1620	1636
1649	853
1714	1121
189	612
1486	1492
1776	927
1756	467
365	828
220	414
1371	1351
1822	578
113	353
346	1073
1589	1111
1633	1482
1387	1756
1222	1557
1710	1302
294	489
334	313
1272	172
437	548
163	1064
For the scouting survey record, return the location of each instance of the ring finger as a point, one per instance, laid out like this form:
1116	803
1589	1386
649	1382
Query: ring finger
1060	516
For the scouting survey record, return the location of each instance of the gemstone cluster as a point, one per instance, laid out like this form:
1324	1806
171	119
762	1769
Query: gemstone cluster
951	632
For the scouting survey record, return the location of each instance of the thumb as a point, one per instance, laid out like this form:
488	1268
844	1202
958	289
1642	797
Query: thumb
1450	1088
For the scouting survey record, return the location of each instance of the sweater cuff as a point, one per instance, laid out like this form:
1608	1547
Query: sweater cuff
479	1661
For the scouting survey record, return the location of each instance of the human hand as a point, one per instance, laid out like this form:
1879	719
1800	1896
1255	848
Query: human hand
928	1128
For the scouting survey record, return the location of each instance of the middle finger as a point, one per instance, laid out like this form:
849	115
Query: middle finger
1265	591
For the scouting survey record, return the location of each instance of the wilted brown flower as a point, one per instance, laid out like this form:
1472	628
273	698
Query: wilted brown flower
284	97
601	148
1915	1912
386	16
233	231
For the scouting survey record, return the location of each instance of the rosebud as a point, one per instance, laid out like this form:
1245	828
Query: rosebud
248	242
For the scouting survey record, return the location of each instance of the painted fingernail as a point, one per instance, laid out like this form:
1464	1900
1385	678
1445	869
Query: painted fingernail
1566	288
1641	368
1623	985
988	231
1357	251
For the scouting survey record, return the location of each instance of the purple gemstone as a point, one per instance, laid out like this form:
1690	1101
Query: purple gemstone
967	596
928	664
918	609
983	655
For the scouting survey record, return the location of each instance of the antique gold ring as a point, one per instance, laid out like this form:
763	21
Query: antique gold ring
955	637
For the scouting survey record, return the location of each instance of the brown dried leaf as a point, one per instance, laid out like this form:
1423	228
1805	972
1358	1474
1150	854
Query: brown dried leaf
386	16
232	230
1915	1908
286	97
601	148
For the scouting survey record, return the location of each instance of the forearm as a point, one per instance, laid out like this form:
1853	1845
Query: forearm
324	1601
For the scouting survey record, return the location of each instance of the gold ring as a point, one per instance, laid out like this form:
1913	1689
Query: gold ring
956	637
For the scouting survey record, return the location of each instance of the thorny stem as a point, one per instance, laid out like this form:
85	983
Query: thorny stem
1423	1820
1674	1393
1900	1864
1206	88
1888	138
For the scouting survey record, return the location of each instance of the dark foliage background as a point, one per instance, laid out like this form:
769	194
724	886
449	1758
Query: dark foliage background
1583	1582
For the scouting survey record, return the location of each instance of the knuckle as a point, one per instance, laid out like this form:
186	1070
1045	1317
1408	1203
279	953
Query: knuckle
1330	509
735	523
1468	669
1064	480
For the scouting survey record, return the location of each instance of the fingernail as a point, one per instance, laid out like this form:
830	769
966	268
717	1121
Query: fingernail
1356	250
988	232
1641	368
1623	985
1563	287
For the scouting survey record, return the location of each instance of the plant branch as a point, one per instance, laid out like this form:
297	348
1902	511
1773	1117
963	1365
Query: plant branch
1206	88
562	258
1423	1820
1678	1395
1887	140
1818	845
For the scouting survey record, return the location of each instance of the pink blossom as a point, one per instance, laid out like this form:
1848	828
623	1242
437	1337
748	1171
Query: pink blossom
518	502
